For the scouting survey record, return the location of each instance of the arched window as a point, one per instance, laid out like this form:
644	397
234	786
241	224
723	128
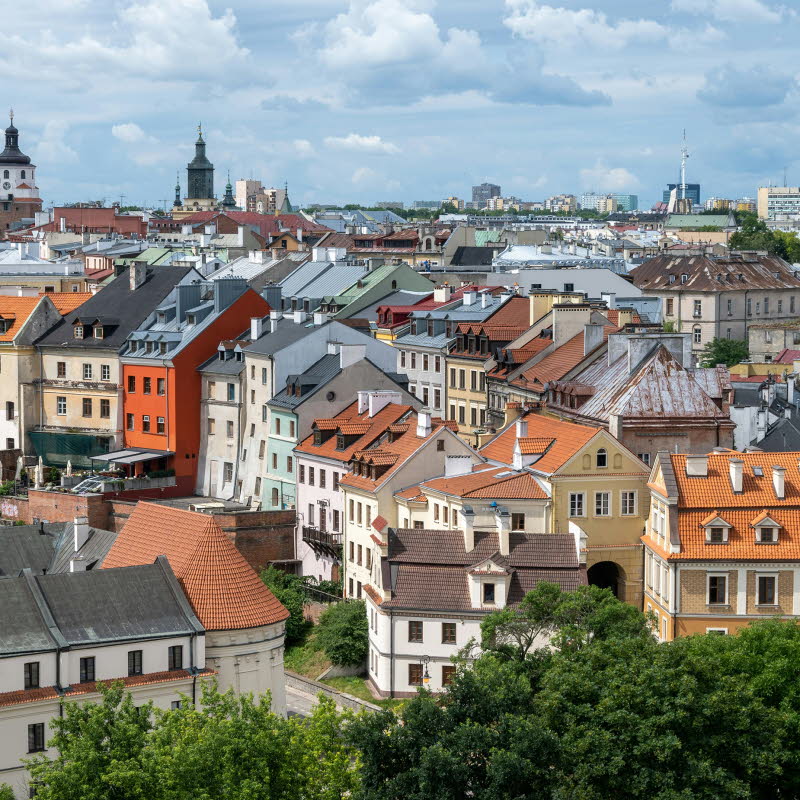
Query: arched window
274	497
22	174
394	284
698	335
602	458
5	173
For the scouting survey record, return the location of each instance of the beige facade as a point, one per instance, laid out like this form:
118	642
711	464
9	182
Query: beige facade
466	395
765	341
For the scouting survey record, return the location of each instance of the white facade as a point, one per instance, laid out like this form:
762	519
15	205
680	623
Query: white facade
426	371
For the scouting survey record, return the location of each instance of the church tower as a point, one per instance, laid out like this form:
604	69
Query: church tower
200	173
229	201
19	195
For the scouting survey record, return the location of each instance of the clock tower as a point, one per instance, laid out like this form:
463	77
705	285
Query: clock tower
19	195
199	182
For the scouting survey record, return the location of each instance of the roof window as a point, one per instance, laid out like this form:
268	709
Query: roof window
684	278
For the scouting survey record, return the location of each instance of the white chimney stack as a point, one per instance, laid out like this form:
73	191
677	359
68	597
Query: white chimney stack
424	423
80	532
363	401
380	399
468	516
522	428
300	316
778	481
736	466
484	299
503	521
468	298
256	328
351	354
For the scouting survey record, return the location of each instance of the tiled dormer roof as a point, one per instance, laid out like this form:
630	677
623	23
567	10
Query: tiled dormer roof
224	591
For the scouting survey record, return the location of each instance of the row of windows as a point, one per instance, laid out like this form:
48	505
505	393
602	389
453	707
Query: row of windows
336	522
424	394
147	385
87	407
87	371
415	631
697	306
355	513
310	476
356	555
31	669
717	588
130	423
22	174
602	504
477	379
477	414
410	360
230	392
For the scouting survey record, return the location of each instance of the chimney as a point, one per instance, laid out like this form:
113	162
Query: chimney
441	294
351	354
736	466
468	298
80	532
137	273
457	465
379	400
503	522
778	483
423	423
300	316
468	515
256	328
274	316
77	564
300	235
697	466
363	401
592	337
522	428
484	299
240	236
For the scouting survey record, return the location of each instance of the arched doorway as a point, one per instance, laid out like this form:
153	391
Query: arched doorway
607	575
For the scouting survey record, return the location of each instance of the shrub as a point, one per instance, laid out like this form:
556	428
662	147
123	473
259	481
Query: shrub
344	633
289	590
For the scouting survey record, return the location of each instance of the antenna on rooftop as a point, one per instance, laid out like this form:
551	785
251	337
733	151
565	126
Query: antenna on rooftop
684	156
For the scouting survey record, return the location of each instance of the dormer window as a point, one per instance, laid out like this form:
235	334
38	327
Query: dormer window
77	332
98	332
162	348
340	441
602	458
672	279
716	535
684	278
318	438
488	594
191	319
767	535
716	529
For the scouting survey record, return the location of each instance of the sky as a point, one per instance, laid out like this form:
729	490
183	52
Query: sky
368	100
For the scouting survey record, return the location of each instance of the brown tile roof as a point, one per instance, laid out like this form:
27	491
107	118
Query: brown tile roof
430	568
224	591
757	493
49	692
706	274
569	438
490	482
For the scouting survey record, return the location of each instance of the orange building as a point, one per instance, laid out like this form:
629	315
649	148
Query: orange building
161	385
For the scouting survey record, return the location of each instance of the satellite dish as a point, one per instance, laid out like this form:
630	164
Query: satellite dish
330	397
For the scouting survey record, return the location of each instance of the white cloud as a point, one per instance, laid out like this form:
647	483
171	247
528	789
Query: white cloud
605	178
129	132
303	148
364	144
732	10
364	175
563	27
52	146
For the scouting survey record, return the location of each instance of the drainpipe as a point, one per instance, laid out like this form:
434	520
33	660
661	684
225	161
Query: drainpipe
192	668
391	653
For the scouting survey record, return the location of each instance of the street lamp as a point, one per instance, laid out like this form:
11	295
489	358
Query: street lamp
426	678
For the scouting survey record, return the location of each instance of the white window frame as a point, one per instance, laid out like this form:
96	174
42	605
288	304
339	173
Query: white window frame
623	502
723	631
599	496
88	371
759	534
573	497
776	578
61	402
105	372
727	577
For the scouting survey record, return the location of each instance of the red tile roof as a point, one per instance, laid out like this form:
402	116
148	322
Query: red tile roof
787	356
568	438
486	481
224	591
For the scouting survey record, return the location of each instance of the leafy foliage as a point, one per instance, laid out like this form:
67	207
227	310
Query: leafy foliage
755	235
619	716
289	590
6	792
724	351
343	633
232	748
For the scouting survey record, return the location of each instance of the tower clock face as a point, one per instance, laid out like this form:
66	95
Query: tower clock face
6	185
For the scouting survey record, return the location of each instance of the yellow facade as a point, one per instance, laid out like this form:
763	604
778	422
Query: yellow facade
615	505
466	395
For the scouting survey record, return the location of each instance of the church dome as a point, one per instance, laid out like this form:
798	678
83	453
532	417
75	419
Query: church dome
12	153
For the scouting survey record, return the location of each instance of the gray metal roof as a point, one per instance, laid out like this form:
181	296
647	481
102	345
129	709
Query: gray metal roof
214	365
22	627
321	279
287	332
313	379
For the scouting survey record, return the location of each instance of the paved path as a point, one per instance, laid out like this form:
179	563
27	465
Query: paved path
299	704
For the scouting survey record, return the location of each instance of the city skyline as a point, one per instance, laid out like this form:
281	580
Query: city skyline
353	101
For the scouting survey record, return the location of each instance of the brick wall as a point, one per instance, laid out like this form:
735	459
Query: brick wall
55	507
785	590
693	592
262	537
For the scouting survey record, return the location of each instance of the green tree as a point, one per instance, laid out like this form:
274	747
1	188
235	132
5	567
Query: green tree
549	616
6	792
289	589
343	633
232	748
724	351
754	235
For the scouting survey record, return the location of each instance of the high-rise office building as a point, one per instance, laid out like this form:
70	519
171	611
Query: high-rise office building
692	192
482	194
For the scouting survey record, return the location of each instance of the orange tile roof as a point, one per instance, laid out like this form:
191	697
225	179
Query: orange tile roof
224	591
741	543
490	482
569	438
534	446
375	427
413	494
65	302
757	492
394	453
17	309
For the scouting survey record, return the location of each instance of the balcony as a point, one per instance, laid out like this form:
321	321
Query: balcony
328	543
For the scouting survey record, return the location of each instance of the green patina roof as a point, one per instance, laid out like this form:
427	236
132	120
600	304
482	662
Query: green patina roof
482	238
150	256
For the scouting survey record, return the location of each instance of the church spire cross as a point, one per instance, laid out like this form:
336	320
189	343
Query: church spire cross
11	115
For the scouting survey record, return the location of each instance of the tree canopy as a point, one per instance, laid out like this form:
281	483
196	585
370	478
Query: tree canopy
343	633
229	748
755	235
724	351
